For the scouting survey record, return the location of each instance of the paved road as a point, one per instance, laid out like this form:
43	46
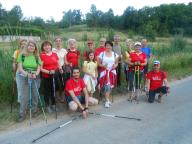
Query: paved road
166	123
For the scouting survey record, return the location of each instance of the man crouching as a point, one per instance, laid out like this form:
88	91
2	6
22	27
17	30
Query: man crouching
156	83
73	92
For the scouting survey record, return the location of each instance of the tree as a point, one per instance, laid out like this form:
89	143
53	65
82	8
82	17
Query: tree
14	15
38	21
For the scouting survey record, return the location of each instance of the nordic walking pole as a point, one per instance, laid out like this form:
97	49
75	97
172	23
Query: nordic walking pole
47	133
30	98
138	82
54	95
35	81
115	116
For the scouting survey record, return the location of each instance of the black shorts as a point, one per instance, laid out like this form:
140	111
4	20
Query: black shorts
152	93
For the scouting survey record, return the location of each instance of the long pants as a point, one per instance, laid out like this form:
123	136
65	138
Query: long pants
135	79
118	69
48	91
24	95
19	86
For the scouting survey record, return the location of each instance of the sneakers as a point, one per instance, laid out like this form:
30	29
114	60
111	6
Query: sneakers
160	99
108	104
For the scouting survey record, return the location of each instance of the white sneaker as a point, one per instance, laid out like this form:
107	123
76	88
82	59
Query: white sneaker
110	104
107	104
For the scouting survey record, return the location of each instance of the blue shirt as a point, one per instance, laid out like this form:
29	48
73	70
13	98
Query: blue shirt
147	51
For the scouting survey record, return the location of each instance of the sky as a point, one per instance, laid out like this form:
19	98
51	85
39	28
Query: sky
55	8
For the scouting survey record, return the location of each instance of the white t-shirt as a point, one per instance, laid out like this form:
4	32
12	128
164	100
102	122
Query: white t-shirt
108	60
61	54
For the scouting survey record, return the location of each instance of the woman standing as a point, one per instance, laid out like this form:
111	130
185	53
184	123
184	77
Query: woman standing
61	52
49	67
71	58
137	61
108	61
23	44
29	68
129	44
90	77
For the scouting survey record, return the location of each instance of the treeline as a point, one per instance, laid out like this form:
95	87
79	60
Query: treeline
162	20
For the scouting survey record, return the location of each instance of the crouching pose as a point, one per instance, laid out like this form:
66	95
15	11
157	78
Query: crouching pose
156	82
73	92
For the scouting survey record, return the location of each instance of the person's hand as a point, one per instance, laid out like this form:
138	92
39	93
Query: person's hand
70	64
51	72
34	76
105	66
61	71
85	113
113	67
135	63
138	63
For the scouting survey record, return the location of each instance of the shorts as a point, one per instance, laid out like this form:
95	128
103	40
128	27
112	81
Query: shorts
152	93
107	88
80	98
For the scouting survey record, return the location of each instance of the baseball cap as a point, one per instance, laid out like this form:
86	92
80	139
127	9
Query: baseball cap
156	62
137	44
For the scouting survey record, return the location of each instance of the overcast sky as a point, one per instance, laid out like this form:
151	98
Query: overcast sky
54	8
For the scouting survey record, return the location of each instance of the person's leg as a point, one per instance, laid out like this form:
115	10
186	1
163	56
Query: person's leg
107	91
162	90
92	101
24	99
131	81
73	106
47	90
19	86
151	98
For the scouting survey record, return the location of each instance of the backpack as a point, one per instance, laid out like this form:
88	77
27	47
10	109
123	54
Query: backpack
23	59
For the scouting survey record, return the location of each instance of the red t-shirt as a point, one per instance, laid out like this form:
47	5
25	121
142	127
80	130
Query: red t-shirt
156	79
137	57
49	62
73	57
98	51
76	86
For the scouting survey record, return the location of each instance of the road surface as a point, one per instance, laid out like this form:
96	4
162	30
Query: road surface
166	123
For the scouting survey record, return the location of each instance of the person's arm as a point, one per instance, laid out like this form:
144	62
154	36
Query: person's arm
129	62
165	82
65	60
145	63
21	70
14	65
150	55
147	85
96	71
75	99
44	70
86	97
85	69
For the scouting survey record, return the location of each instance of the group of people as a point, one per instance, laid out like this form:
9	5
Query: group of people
56	71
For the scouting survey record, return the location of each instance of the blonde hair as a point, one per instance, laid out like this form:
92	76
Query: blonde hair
36	52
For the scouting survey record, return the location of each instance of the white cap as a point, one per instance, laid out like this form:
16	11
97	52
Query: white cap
137	44
156	62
